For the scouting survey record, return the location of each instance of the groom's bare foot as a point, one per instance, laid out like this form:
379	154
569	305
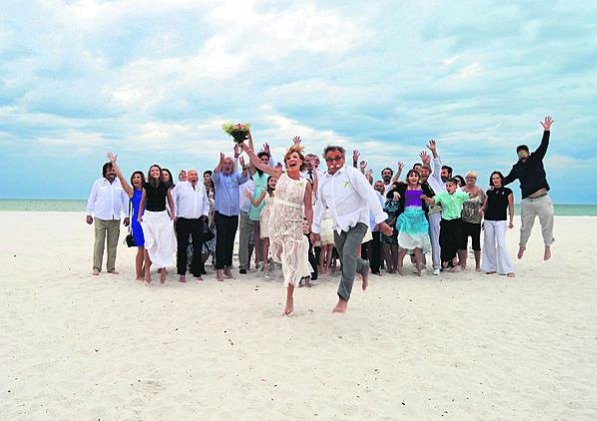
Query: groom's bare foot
365	278
521	251
547	254
341	307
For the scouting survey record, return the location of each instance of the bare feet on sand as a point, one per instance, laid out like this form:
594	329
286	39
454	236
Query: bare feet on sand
547	254
163	274
228	273
521	251
199	278
289	307
341	307
220	275
113	272
511	275
96	272
182	278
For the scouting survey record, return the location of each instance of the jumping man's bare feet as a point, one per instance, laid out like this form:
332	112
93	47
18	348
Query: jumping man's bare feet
521	251
182	278
341	307
547	254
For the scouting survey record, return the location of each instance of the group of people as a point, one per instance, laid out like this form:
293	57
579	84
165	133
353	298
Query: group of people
305	218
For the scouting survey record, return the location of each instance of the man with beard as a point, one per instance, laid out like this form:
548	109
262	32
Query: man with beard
350	198
533	185
387	174
106	201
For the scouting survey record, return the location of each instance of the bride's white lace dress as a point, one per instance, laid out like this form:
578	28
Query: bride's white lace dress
288	244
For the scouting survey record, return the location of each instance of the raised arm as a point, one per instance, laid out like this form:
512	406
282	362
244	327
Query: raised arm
355	158
271	171
399	169
125	186
542	149
218	167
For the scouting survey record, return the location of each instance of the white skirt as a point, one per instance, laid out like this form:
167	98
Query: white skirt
160	240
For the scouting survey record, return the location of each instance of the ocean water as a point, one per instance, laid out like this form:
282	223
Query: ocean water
38	205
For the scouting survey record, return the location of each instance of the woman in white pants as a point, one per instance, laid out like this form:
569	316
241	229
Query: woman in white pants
495	251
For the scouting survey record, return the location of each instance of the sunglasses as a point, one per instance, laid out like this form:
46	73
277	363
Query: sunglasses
334	159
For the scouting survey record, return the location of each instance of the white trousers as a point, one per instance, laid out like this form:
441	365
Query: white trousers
434	221
529	209
495	250
160	241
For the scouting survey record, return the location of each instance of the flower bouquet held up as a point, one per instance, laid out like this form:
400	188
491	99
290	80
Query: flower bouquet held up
239	131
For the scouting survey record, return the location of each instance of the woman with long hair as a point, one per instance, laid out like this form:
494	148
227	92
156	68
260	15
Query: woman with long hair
287	243
209	247
495	250
160	241
134	191
267	198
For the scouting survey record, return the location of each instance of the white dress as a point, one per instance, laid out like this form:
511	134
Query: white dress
288	245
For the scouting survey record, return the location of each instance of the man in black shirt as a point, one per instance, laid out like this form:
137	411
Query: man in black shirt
533	184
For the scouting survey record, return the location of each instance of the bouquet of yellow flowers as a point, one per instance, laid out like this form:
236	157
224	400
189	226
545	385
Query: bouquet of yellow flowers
239	131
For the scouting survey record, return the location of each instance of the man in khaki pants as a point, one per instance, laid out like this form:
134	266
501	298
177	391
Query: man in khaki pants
106	202
533	184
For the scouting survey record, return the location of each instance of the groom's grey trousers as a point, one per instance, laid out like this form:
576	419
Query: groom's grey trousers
347	244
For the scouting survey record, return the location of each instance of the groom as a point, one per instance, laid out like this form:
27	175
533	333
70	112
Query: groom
350	197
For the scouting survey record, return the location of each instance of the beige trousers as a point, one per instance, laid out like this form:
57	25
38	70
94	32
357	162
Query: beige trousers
109	230
529	209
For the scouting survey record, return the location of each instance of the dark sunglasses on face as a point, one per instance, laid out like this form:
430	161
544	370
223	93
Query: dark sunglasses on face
334	159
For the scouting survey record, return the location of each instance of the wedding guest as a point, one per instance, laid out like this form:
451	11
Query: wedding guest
495	250
471	221
246	227
182	175
450	228
267	198
192	205
158	228
350	197
437	184
106	203
134	193
209	246
260	186
460	180
227	209
535	202
167	178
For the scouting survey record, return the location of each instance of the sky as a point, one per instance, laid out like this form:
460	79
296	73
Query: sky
153	81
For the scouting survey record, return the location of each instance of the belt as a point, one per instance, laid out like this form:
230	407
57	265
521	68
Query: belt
288	203
535	197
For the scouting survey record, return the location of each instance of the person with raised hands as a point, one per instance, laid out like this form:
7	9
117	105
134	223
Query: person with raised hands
288	245
134	191
227	209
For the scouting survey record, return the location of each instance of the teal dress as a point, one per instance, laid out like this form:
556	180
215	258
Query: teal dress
260	185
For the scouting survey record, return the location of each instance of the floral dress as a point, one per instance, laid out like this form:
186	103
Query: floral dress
288	245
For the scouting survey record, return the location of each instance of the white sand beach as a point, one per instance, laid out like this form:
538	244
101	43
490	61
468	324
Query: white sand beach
468	346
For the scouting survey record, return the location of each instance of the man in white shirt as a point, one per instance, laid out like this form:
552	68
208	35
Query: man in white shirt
192	210
106	202
350	197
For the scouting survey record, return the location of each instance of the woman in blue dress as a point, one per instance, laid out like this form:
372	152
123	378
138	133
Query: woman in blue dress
135	192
